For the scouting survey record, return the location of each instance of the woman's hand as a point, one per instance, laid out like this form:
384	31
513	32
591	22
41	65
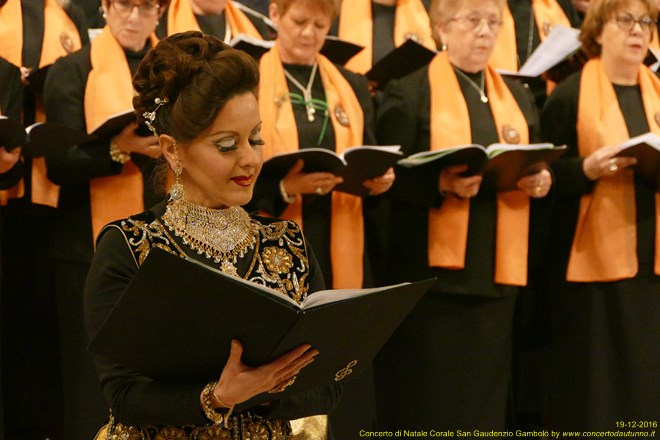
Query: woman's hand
297	182
602	163
8	159
451	181
239	383
381	184
536	185
130	142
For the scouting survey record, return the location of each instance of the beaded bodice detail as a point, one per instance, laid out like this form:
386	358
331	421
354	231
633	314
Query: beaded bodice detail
272	254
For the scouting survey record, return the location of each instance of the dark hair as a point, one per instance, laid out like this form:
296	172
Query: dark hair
198	74
599	12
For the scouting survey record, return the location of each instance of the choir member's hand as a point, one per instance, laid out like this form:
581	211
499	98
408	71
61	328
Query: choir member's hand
602	163
536	185
381	184
238	382
298	182
130	142
8	159
25	72
451	181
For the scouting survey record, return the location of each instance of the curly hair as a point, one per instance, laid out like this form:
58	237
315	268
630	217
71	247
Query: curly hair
198	74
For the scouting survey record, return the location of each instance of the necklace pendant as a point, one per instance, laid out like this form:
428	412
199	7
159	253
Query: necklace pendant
484	99
311	111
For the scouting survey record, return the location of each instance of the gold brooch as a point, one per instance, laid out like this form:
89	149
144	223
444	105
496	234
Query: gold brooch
547	27
341	374
67	42
342	116
510	134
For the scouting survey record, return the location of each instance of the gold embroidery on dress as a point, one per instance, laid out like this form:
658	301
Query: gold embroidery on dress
279	261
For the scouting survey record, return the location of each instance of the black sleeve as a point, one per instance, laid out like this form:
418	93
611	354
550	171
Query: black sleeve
11	95
77	15
559	126
525	100
360	85
398	123
133	399
11	90
64	93
571	13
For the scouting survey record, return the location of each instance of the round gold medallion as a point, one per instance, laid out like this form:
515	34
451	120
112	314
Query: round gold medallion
342	116
67	42
510	134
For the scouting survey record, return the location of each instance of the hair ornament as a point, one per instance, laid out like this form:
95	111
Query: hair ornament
150	117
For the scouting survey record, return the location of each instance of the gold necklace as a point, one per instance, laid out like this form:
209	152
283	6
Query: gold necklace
223	235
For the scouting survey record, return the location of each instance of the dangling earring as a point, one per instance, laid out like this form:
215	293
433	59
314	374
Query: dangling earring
176	192
443	47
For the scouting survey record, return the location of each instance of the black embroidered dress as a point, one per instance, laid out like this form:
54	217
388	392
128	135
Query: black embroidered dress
144	409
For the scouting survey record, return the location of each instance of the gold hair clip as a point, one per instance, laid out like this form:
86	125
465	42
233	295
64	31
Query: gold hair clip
150	117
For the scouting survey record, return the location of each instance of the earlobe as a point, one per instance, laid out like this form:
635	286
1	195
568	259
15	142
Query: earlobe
273	12
170	150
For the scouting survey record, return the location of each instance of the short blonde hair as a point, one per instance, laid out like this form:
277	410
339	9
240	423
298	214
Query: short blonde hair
599	13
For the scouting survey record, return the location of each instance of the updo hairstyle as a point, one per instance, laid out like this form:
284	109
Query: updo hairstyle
198	74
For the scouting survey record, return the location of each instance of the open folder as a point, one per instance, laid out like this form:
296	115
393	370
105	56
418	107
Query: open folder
176	320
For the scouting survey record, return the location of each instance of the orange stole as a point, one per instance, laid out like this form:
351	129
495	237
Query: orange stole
109	90
180	18
280	134
56	25
547	13
448	225
605	242
356	25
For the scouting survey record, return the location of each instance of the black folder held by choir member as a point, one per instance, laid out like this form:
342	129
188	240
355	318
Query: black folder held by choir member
403	60
43	138
176	320
355	164
253	46
39	139
339	51
504	163
646	149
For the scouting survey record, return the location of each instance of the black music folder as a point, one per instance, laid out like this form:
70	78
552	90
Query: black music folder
355	164
339	51
504	163
176	320
403	60
646	149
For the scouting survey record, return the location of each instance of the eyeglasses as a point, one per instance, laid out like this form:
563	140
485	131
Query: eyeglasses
145	9
472	22
627	22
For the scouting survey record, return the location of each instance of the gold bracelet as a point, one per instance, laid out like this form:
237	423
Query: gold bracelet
118	155
285	196
211	412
